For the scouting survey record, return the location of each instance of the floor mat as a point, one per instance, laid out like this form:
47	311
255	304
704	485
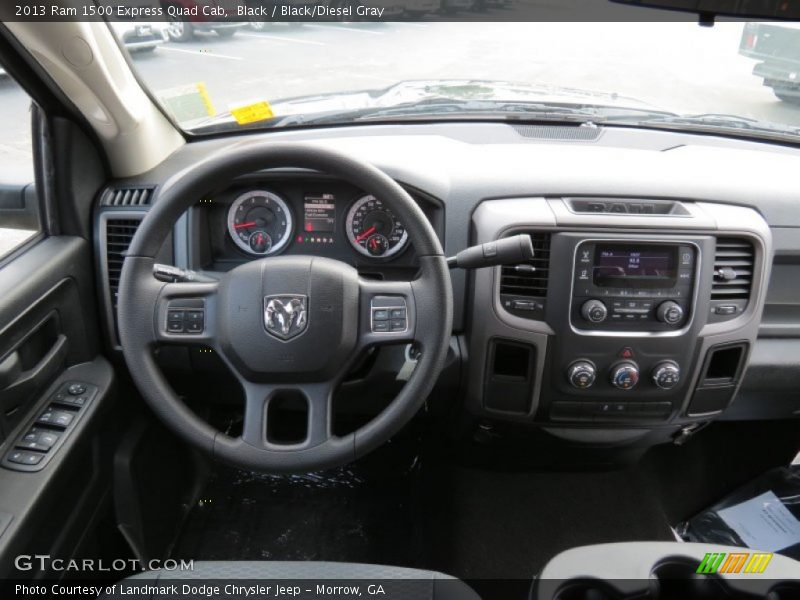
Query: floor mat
507	525
466	522
436	509
348	514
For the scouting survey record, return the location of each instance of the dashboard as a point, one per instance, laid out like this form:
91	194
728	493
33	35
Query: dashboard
664	291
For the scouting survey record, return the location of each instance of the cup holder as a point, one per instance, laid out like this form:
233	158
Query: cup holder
587	589
676	578
785	591
673	578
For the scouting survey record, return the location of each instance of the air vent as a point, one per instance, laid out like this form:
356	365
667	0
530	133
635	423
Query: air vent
127	196
119	233
733	269
523	287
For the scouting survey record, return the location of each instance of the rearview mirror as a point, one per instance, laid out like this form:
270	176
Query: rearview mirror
708	9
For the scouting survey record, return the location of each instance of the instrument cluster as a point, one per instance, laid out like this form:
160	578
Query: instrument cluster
333	219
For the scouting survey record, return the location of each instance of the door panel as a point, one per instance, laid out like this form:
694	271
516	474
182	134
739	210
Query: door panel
47	322
48	340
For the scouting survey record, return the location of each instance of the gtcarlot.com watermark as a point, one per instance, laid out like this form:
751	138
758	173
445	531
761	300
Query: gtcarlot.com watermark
45	562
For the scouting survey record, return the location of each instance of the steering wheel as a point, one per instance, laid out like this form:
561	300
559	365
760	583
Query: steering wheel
284	325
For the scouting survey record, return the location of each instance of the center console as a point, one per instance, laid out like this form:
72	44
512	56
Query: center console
620	320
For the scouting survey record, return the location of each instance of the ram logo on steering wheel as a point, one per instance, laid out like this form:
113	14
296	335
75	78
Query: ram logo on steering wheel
285	316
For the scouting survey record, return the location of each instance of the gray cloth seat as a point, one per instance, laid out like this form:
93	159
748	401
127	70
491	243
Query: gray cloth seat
397	582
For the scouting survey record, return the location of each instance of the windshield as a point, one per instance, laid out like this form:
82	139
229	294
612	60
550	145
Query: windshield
732	78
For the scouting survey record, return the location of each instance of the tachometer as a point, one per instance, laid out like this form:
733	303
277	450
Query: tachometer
260	222
373	230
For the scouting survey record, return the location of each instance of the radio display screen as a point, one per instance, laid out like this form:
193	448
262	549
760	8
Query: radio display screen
635	266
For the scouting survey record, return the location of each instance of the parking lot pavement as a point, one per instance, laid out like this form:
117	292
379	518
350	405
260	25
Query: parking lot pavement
677	66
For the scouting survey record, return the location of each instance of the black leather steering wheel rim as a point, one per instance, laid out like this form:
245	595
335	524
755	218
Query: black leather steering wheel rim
141	304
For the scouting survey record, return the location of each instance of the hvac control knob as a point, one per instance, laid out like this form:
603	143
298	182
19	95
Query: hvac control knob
666	375
625	375
594	311
669	312
581	374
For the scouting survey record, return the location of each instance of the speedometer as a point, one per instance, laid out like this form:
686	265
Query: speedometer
260	222
373	230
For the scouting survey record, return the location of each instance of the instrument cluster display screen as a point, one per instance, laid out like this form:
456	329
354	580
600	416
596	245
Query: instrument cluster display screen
635	266
320	214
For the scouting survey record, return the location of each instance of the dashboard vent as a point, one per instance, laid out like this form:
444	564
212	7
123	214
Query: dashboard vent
119	233
529	279
127	196
733	269
559	133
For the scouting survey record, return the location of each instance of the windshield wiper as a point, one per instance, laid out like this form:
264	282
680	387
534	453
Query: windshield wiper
475	108
443	109
450	109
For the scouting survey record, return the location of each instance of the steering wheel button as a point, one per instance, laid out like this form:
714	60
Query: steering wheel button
380	314
175	315
380	326
398	313
194	316
175	326
194	327
398	324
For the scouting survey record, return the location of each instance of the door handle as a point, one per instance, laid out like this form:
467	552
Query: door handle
10	369
22	385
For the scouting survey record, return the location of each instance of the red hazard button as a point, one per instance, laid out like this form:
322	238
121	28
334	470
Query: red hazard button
626	352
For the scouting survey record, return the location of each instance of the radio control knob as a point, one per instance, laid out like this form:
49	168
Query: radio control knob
625	375
666	375
669	312
581	374
594	311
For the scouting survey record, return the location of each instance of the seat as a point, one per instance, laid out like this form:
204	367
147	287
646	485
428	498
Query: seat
397	582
